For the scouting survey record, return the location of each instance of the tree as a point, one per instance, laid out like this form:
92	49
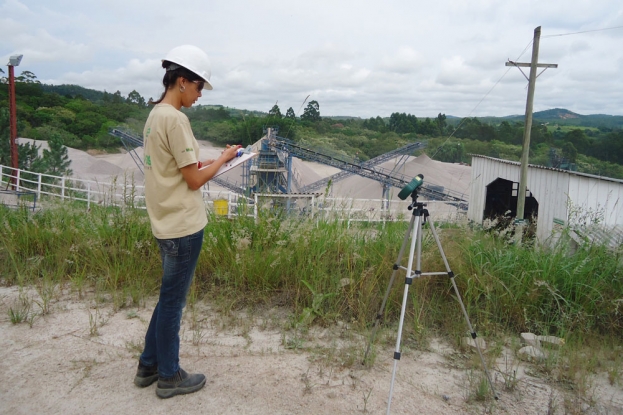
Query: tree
375	124
275	112
117	98
55	160
506	132
311	112
450	153
27	154
5	145
136	98
402	123
428	127
539	135
290	114
578	139
28	157
441	123
27	77
569	152
472	128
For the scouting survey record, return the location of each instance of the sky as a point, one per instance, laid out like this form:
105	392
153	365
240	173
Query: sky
355	58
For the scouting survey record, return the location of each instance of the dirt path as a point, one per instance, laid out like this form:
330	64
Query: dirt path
80	358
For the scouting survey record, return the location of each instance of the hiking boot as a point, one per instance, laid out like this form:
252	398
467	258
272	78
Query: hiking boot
179	384
145	375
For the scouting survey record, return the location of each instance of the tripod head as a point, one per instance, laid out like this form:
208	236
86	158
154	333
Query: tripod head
412	190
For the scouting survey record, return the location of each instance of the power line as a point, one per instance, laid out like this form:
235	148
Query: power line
502	77
585	31
482	99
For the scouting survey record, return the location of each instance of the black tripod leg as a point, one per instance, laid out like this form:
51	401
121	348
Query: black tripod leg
458	296
379	315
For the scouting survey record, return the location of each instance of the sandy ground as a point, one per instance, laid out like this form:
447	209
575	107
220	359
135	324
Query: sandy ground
80	358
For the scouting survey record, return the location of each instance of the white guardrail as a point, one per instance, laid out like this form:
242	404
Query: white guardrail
123	191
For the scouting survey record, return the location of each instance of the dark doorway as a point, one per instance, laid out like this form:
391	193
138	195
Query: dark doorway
501	200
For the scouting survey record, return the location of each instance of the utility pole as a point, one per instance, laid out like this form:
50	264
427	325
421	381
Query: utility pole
533	65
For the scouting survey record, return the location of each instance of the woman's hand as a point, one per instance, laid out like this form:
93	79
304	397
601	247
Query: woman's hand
196	178
229	153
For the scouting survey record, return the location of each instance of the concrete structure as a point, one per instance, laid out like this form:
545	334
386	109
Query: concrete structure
556	198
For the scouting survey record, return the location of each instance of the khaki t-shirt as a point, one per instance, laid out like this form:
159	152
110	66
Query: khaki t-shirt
169	144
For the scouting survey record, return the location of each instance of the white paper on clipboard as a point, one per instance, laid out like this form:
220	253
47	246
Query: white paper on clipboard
235	162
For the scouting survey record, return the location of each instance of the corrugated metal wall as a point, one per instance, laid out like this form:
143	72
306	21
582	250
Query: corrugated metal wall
600	199
562	195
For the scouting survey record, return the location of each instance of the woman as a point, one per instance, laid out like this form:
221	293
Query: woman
177	213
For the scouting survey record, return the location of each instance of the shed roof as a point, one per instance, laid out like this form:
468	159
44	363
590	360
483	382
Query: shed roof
516	163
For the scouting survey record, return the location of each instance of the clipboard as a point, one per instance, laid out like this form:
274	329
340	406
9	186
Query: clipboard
235	162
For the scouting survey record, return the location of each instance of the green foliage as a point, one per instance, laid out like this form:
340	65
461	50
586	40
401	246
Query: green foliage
136	98
28	158
75	91
403	123
45	111
450	152
275	112
27	153
375	124
311	113
55	160
5	145
290	114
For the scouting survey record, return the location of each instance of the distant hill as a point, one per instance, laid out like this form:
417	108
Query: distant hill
561	116
73	91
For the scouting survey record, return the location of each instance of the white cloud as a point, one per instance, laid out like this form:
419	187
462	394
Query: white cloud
361	57
406	60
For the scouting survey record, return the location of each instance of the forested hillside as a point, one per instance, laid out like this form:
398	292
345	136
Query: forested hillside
81	118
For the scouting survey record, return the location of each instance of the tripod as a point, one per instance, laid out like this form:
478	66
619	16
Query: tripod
419	217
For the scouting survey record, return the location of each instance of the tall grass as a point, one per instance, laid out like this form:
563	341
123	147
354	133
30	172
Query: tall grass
549	290
325	270
106	248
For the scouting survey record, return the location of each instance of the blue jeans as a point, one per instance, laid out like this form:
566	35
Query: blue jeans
162	341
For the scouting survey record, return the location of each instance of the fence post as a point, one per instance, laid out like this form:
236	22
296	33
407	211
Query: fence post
88	196
17	180
255	208
39	186
228	205
63	188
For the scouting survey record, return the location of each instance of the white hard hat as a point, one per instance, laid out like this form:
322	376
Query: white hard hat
193	59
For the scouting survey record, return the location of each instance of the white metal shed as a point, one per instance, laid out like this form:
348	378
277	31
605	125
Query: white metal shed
555	197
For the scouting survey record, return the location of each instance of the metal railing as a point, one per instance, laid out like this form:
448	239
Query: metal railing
124	192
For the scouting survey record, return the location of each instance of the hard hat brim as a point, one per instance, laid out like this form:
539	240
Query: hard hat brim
206	84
